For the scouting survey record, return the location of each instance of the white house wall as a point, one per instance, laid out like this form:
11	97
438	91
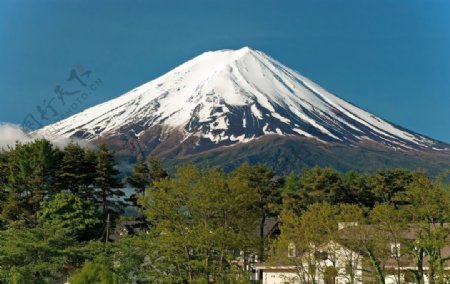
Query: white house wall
279	278
276	275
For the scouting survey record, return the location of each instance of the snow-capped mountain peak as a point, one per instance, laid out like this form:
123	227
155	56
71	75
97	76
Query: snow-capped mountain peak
230	96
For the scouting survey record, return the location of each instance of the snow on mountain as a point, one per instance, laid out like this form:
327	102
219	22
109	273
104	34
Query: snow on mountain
231	96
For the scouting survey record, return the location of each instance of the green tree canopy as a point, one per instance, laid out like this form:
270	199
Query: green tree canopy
76	170
71	212
30	177
199	219
97	271
107	182
34	255
267	187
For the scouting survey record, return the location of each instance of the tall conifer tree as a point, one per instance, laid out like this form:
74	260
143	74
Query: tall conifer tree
107	183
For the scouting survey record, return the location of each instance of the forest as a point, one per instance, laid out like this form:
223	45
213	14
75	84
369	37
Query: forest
60	206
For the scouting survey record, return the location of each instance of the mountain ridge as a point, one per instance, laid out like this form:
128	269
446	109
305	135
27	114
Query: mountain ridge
230	97
267	103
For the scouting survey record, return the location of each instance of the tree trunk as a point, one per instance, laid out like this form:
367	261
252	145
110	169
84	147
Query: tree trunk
419	262
104	201
376	265
261	236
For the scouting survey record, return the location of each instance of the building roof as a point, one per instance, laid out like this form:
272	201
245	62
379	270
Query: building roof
271	227
130	227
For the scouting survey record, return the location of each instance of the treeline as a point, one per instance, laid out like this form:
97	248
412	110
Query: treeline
33	172
53	207
204	225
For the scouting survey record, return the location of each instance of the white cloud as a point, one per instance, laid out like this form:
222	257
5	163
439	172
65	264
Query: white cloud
10	134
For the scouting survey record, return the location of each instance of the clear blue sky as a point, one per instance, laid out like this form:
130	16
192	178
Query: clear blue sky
391	58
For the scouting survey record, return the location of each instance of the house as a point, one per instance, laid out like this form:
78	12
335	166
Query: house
330	261
345	259
130	227
271	229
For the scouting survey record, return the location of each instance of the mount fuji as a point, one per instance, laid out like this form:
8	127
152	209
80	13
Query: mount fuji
225	100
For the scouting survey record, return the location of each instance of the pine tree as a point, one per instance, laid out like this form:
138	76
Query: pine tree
90	164
143	176
66	210
322	184
385	184
107	182
139	179
157	172
30	178
3	182
267	186
72	173
35	255
357	190
97	271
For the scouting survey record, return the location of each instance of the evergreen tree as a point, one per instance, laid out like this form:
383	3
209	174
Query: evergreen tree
30	178
157	172
197	217
98	271
34	255
3	183
293	197
143	176
322	185
268	187
357	189
107	183
3	169
90	164
69	211
139	179
72	173
385	184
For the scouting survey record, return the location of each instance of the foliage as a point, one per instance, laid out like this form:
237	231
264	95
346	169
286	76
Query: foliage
143	176
199	224
204	225
385	184
106	181
29	172
267	188
312	237
140	177
97	271
77	171
428	205
407	219
66	210
156	170
34	254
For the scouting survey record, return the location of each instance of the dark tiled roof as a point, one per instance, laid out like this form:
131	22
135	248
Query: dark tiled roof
271	227
128	228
